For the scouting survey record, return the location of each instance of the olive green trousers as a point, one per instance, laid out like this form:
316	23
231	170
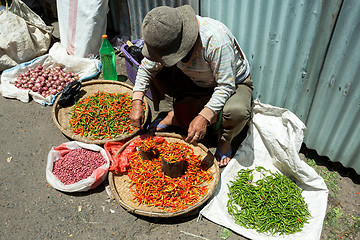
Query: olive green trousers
172	90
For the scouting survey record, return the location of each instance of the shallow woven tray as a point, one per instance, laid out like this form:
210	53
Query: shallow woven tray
120	188
61	116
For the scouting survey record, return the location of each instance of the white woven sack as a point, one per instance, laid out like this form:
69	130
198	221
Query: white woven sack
24	35
81	25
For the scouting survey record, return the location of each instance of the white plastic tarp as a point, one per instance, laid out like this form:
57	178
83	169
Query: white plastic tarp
86	68
274	139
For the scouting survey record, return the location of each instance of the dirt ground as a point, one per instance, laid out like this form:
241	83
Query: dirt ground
31	209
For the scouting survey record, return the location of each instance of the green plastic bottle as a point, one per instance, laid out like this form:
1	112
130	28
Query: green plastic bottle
108	62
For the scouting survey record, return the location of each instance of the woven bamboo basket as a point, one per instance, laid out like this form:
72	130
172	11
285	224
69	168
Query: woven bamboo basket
62	115
119	184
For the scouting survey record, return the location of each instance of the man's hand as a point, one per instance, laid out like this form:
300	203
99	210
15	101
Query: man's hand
137	114
197	129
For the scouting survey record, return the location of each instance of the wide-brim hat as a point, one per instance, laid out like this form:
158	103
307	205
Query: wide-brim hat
169	33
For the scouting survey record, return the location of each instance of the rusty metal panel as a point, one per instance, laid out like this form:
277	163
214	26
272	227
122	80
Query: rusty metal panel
333	122
139	8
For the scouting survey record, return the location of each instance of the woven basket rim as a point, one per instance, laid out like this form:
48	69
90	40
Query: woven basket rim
163	214
87	85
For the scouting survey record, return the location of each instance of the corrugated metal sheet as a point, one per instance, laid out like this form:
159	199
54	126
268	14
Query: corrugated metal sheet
118	17
139	8
301	62
303	57
333	123
282	42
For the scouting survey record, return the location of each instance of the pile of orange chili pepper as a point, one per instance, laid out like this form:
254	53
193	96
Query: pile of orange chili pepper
150	186
102	115
179	154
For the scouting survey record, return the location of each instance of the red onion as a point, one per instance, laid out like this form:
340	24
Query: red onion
45	81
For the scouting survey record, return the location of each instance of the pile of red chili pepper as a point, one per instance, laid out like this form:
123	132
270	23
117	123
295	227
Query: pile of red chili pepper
153	188
102	116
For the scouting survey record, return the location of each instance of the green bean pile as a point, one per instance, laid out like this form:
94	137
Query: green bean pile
273	204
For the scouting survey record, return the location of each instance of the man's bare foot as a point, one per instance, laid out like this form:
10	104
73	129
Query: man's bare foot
223	153
169	120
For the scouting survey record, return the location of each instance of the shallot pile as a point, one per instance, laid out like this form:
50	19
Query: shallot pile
77	164
45	81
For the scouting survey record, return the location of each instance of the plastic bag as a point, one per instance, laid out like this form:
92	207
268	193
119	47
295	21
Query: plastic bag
96	178
85	67
111	148
24	35
273	142
69	94
117	42
119	161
